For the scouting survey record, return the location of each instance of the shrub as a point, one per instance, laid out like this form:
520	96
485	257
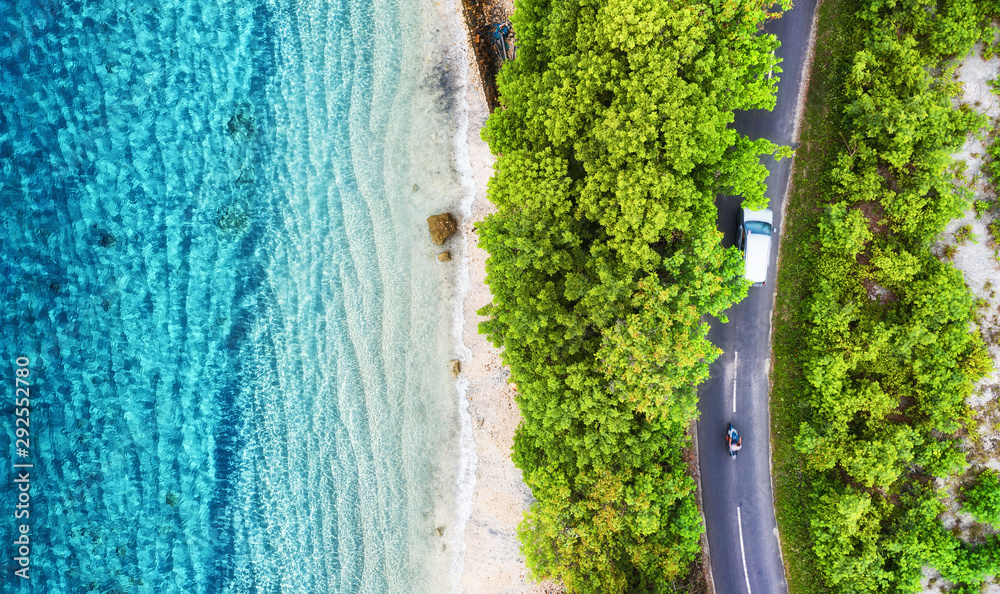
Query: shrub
964	234
994	229
843	231
982	500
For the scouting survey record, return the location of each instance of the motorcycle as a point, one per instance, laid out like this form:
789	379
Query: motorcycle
733	441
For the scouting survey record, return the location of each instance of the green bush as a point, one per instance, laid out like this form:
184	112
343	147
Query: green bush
982	500
895	267
845	530
972	564
994	229
843	231
964	234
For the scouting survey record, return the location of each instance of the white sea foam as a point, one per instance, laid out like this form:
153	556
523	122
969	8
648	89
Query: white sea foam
468	458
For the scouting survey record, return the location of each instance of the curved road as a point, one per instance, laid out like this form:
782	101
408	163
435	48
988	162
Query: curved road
739	514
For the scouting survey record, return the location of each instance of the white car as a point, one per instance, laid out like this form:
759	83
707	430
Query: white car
753	237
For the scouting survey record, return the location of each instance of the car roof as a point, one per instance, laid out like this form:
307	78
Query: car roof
758	250
759	215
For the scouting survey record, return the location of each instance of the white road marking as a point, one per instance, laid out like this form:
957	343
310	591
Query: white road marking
739	520
736	368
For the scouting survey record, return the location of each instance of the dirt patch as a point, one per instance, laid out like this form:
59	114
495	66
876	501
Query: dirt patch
877	292
874	215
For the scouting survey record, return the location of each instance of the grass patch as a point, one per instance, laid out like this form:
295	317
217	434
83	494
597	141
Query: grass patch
819	132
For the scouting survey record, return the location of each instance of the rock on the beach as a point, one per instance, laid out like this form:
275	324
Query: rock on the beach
442	227
444	257
456	368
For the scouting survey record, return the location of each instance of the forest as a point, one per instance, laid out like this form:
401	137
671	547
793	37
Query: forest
613	139
884	349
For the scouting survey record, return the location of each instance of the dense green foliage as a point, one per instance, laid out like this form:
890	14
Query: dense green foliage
613	141
887	354
982	499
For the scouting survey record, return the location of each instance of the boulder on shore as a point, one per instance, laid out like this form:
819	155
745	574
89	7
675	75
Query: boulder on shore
444	257
442	227
456	368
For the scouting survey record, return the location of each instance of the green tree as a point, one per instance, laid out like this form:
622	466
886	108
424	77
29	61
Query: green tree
613	139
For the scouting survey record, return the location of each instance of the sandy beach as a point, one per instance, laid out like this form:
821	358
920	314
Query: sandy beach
493	562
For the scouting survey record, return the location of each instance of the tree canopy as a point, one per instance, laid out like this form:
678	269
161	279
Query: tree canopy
613	139
890	350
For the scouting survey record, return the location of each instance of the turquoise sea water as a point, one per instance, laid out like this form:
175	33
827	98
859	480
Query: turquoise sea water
213	254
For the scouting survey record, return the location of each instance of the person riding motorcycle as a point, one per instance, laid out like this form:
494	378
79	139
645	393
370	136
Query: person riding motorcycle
734	440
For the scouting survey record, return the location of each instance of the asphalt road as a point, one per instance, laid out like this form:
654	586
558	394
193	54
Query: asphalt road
739	513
